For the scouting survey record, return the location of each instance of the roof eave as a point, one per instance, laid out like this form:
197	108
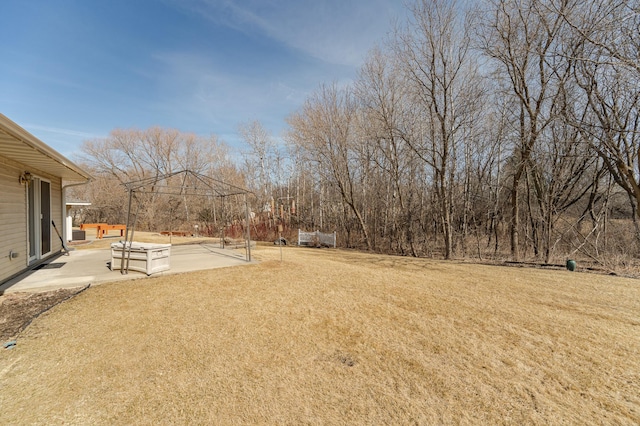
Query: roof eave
31	141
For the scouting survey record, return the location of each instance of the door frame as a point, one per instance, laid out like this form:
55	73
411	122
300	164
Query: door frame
34	219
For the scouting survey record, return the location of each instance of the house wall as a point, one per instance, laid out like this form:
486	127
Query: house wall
13	216
13	220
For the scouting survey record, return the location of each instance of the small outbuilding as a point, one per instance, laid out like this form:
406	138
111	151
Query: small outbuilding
72	207
33	180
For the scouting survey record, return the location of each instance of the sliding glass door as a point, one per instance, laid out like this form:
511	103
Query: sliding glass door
39	219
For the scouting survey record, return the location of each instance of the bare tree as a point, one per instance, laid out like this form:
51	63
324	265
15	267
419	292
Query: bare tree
435	56
524	38
260	160
130	155
382	96
324	128
607	56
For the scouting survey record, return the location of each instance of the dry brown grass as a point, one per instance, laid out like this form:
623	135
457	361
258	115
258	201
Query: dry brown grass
334	337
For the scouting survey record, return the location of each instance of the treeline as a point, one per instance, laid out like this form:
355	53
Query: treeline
506	129
169	201
497	129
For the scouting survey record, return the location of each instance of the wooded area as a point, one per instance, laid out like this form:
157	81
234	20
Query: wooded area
504	130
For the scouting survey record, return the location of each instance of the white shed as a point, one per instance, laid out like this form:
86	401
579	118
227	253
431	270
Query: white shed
71	205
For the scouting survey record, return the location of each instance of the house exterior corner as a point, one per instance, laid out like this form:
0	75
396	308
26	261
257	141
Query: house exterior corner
32	177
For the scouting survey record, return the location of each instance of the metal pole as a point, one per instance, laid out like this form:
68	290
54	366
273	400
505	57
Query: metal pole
224	221
280	240
126	234
133	228
246	207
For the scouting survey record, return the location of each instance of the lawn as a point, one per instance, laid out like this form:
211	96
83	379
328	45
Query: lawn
334	337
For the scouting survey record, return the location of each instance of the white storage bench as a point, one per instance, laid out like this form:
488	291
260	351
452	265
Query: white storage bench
145	257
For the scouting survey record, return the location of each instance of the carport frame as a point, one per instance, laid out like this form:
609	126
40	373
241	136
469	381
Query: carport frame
198	185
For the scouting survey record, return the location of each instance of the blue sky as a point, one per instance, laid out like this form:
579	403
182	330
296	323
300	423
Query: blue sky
73	70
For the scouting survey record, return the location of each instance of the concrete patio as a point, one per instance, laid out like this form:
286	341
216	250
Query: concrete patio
83	267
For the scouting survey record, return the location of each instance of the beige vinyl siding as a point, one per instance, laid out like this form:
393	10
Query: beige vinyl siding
13	219
13	216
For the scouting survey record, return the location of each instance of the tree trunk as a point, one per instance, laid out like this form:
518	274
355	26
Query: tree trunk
515	223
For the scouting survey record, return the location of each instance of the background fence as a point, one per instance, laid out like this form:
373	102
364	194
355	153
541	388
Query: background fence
316	239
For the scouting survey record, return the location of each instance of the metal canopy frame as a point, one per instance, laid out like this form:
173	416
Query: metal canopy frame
192	184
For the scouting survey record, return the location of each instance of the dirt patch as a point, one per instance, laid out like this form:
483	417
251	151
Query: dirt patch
17	310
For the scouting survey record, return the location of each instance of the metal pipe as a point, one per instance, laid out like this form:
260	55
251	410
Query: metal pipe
133	228
126	234
246	207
